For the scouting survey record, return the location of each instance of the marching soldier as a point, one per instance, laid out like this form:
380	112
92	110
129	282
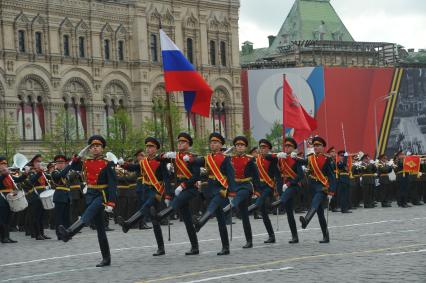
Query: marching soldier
156	181
221	178
61	197
126	193
344	167
291	170
402	178
246	175
7	185
38	182
322	183
368	183
140	191
384	168
187	174
269	178
76	195
101	182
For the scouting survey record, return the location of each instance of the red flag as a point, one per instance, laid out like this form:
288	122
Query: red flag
296	116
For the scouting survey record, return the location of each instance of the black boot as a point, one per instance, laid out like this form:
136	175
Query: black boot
271	240
106	255
202	221
305	220
160	251
224	251
164	213
67	234
294	239
193	251
252	207
126	225
326	237
5	237
248	245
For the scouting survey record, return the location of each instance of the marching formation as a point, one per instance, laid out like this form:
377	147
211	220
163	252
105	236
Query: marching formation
94	186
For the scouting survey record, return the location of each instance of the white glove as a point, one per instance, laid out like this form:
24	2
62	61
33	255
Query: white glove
178	190
409	153
372	161
27	169
293	154
376	174
346	154
304	168
329	197
230	200
120	161
310	151
85	190
109	209
170	167
281	155
420	174
285	187
167	201
186	158
198	184
170	154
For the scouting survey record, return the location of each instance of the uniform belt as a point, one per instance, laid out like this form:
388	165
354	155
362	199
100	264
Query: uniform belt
212	177
139	178
355	175
75	187
147	183
97	187
62	189
381	175
125	187
6	191
344	174
243	180
181	177
29	192
39	187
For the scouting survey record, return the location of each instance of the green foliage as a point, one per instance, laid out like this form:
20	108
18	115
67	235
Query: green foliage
64	138
252	141
275	135
9	139
200	145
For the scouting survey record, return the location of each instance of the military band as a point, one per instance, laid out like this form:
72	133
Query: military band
156	186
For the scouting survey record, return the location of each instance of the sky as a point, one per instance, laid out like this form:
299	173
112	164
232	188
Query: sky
394	21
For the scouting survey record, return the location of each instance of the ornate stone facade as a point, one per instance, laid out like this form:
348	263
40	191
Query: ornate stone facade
92	57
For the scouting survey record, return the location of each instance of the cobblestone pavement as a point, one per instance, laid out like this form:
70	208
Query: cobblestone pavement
369	245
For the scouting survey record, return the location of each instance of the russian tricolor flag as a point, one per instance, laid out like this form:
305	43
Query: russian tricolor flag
180	75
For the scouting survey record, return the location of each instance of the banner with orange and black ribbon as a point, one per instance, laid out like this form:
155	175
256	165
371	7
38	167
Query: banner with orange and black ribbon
317	170
182	167
288	171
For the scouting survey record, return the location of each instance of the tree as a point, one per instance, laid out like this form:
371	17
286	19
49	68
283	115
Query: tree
275	135
9	139
63	139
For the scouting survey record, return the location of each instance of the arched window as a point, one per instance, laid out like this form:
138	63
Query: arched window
120	50
38	43
223	53
190	50
115	99
153	48
66	43
81	47
31	123
107	50
212	53
219	112
75	94
21	41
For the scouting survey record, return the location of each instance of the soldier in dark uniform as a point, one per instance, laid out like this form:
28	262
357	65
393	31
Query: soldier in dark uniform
246	175
334	204
292	174
187	174
140	191
384	168
101	195
39	182
322	182
126	193
368	183
269	179
402	178
156	182
61	197
221	178
76	194
7	185
344	170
